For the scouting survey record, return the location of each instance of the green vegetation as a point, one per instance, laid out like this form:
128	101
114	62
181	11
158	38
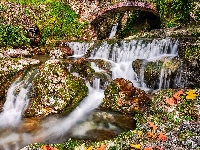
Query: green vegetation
55	19
176	12
192	52
12	36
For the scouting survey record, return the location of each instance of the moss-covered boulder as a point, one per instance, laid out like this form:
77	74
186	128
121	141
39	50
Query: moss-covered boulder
55	90
83	67
122	96
158	73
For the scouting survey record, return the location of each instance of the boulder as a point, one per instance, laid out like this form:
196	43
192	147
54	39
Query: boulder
160	73
55	91
122	96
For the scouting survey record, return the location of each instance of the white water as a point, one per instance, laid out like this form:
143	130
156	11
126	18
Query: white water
54	130
113	31
79	48
121	58
15	104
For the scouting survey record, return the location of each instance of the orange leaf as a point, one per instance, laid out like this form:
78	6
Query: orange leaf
170	101
162	137
103	147
48	148
148	148
151	135
177	95
151	125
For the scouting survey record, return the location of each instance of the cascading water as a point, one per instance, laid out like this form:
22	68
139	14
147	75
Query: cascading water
123	54
56	129
119	55
16	102
113	31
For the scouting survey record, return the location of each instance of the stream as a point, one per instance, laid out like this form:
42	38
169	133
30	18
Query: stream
120	55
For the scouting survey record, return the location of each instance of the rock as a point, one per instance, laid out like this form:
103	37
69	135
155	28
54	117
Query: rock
56	91
33	33
13	53
150	72
67	50
122	96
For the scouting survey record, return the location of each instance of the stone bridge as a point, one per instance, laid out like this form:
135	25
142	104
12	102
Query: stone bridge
102	14
121	7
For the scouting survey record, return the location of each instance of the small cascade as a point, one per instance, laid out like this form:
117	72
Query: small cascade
92	101
113	31
123	54
79	48
16	101
96	83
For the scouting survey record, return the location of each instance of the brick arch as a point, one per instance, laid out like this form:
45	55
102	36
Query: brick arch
121	7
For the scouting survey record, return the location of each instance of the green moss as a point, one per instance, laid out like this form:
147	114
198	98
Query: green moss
192	52
56	90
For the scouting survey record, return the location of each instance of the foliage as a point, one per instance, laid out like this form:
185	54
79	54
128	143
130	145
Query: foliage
59	23
133	26
55	19
12	36
192	52
173	12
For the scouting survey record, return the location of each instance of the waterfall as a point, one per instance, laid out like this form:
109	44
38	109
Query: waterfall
16	101
113	31
52	130
121	57
92	101
123	54
79	48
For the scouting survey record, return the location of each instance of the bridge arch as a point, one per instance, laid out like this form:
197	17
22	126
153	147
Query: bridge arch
148	11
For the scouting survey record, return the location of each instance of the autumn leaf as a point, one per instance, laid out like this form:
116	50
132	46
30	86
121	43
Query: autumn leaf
151	135
170	101
90	148
151	125
148	148
140	133
162	137
48	148
177	95
191	94
103	147
136	146
157	147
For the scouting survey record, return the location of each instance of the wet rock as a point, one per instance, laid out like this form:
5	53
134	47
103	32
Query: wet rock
83	67
67	50
101	134
13	53
158	73
56	91
122	96
33	33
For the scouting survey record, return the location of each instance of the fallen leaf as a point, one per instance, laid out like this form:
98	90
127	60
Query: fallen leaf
162	137
48	148
191	94
148	148
136	146
177	95
140	133
159	148
151	135
151	125
90	148
103	147
170	101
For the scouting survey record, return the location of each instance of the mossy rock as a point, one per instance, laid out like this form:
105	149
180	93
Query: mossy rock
152	70
123	97
56	91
